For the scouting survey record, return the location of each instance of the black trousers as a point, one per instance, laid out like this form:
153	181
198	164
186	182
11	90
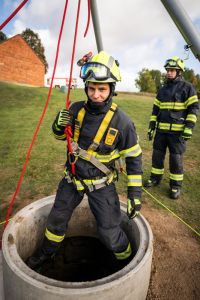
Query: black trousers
176	146
105	206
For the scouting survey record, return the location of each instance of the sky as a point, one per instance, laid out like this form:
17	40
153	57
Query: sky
138	33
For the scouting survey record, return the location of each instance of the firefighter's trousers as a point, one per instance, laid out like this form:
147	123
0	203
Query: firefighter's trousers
176	146
104	204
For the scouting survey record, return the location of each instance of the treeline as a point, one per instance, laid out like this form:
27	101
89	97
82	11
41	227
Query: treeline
151	80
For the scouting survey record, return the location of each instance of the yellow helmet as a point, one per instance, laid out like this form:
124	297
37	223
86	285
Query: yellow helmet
101	68
175	63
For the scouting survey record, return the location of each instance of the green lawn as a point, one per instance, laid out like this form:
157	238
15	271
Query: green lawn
21	108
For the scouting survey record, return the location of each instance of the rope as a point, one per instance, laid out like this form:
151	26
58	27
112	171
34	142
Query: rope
88	20
167	208
68	130
13	14
40	121
173	213
1	223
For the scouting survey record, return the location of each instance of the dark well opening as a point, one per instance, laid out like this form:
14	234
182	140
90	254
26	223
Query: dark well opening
82	258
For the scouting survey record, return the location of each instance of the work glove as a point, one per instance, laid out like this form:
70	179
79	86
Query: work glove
187	133
152	127
133	207
63	119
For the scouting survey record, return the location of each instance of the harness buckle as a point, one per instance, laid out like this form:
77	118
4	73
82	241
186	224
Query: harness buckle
94	146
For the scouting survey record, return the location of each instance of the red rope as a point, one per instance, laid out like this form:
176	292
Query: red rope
13	14
68	130
40	121
88	20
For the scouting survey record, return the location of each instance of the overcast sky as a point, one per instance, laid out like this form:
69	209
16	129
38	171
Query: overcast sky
139	33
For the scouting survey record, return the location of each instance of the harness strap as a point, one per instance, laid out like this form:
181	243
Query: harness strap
78	123
101	130
84	154
103	127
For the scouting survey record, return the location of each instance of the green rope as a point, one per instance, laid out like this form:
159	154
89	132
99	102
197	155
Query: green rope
173	213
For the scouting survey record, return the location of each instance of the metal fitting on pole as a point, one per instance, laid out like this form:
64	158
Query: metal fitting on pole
184	24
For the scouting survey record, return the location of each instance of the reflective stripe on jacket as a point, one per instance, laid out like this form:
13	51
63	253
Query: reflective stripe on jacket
119	140
175	106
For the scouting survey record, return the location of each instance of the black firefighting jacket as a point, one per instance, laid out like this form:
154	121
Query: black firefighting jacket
175	107
124	144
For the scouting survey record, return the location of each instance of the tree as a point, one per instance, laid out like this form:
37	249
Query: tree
190	76
35	43
3	37
145	82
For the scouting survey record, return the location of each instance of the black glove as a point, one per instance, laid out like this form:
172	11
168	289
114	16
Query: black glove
187	133
152	127
63	119
150	134
133	207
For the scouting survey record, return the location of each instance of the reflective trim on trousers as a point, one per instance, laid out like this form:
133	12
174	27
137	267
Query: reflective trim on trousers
125	254
53	237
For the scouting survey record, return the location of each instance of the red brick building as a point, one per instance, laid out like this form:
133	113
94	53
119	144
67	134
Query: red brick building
19	63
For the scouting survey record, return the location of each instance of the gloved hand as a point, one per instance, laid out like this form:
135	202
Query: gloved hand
64	118
187	133
152	127
150	134
133	207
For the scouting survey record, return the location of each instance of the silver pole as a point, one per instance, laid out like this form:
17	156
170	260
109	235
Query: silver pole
96	25
184	24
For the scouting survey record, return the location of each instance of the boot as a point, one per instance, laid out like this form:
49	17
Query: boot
151	182
36	261
175	193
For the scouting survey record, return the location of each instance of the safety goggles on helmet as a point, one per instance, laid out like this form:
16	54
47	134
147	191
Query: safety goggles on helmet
174	64
96	70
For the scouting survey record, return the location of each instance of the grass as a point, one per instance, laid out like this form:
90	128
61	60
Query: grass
21	108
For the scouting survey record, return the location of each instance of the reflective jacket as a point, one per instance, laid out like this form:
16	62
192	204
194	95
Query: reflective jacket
175	106
119	140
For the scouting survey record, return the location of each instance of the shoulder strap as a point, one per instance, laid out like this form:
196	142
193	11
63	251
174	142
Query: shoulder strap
103	127
78	123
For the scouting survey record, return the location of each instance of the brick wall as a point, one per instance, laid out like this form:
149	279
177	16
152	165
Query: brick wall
19	63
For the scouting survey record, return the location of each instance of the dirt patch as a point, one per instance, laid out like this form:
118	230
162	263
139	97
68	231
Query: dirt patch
176	258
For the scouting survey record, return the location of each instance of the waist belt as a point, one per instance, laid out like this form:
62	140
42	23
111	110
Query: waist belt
99	165
88	184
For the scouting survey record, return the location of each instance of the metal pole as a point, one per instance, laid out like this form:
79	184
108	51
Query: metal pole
184	24
96	25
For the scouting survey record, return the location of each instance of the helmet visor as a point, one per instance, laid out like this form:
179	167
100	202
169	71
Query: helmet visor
95	70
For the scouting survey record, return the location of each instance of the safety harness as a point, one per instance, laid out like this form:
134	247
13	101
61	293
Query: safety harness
91	184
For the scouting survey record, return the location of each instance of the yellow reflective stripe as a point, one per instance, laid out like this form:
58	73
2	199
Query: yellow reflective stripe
80	117
153	118
105	123
125	254
173	105
192	118
157	102
59	137
168	126
53	237
89	182
157	171
134	180
177	127
191	100
177	177
131	152
102	158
